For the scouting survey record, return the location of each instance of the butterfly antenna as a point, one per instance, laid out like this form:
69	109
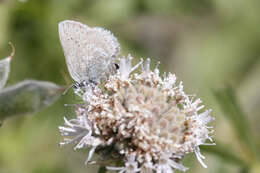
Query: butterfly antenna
65	77
67	89
67	81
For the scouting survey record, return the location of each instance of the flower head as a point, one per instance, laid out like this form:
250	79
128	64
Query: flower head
145	120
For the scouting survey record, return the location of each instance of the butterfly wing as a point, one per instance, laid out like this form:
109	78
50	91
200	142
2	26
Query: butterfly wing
88	51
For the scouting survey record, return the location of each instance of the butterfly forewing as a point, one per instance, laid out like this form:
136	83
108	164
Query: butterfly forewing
89	52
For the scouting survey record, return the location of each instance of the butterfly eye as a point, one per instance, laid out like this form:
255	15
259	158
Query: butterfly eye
76	85
117	66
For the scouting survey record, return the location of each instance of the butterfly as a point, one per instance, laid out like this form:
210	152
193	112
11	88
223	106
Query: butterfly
90	52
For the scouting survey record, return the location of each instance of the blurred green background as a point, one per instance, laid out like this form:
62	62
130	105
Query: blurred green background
208	44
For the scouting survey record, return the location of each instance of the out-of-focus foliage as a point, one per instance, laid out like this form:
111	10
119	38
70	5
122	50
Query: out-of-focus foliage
207	44
232	110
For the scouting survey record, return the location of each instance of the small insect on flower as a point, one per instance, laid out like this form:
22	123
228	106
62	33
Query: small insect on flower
90	52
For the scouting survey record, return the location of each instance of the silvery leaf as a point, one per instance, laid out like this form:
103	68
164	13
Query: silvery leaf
28	97
4	71
5	68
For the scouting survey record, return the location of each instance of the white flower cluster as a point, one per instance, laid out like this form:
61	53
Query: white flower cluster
141	120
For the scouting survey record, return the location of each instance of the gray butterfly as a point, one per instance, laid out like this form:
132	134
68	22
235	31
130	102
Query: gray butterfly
90	52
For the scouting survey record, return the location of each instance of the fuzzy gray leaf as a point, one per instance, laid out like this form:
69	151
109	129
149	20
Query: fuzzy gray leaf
27	97
4	71
5	68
